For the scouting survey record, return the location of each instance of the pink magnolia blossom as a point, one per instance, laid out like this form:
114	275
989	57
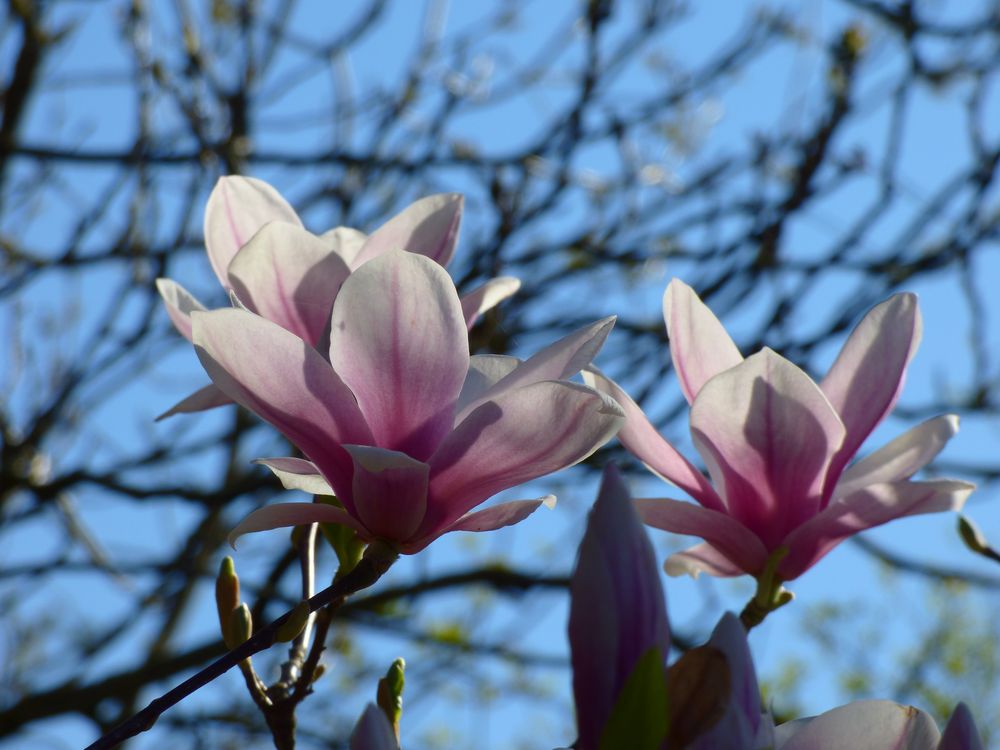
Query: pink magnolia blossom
264	257
617	610
373	731
400	423
777	445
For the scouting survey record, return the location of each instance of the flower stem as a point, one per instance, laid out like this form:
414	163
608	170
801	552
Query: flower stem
376	561
770	594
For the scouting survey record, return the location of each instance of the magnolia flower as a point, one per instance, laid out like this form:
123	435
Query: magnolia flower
373	731
879	725
274	267
401	424
777	445
617	614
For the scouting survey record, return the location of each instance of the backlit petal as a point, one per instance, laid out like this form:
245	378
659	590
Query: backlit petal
280	515
767	434
289	276
389	491
488	519
286	382
236	209
872	725
523	434
644	442
179	303
726	535
487	296
701	558
400	343
203	399
902	458
699	345
865	380
297	474
428	227
866	509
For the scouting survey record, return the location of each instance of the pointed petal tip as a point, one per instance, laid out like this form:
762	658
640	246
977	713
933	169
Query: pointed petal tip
549	501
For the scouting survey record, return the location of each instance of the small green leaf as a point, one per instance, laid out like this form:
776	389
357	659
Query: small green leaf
638	720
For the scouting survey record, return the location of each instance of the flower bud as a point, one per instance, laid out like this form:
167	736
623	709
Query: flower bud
239	627
227	591
390	693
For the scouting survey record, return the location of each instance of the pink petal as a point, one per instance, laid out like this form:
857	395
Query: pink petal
280	515
428	227
485	371
373	731
520	435
872	725
617	608
866	509
557	361
960	733
489	519
767	435
180	304
727	536
389	491
297	474
203	399
867	376
400	343
701	558
900	459
745	721
643	441
289	276
699	345
236	209
286	382
346	242
487	296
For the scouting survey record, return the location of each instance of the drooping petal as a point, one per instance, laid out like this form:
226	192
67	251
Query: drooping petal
428	227
865	380
487	296
960	733
280	515
286	382
488	519
726	535
902	458
485	371
557	361
373	731
643	441
399	341
701	558
202	399
180	303
865	509
873	725
389	491
346	242
289	276
767	435
236	209
745	724
617	608
297	474
523	434
699	346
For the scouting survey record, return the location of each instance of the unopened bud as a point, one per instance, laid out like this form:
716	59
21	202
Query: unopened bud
975	540
390	693
227	591
239	628
294	624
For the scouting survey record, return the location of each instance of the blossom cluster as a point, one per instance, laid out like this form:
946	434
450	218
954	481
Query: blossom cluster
355	347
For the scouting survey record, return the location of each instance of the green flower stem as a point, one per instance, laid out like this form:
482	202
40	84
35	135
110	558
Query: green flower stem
770	595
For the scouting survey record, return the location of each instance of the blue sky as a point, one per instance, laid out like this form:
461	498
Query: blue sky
781	89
